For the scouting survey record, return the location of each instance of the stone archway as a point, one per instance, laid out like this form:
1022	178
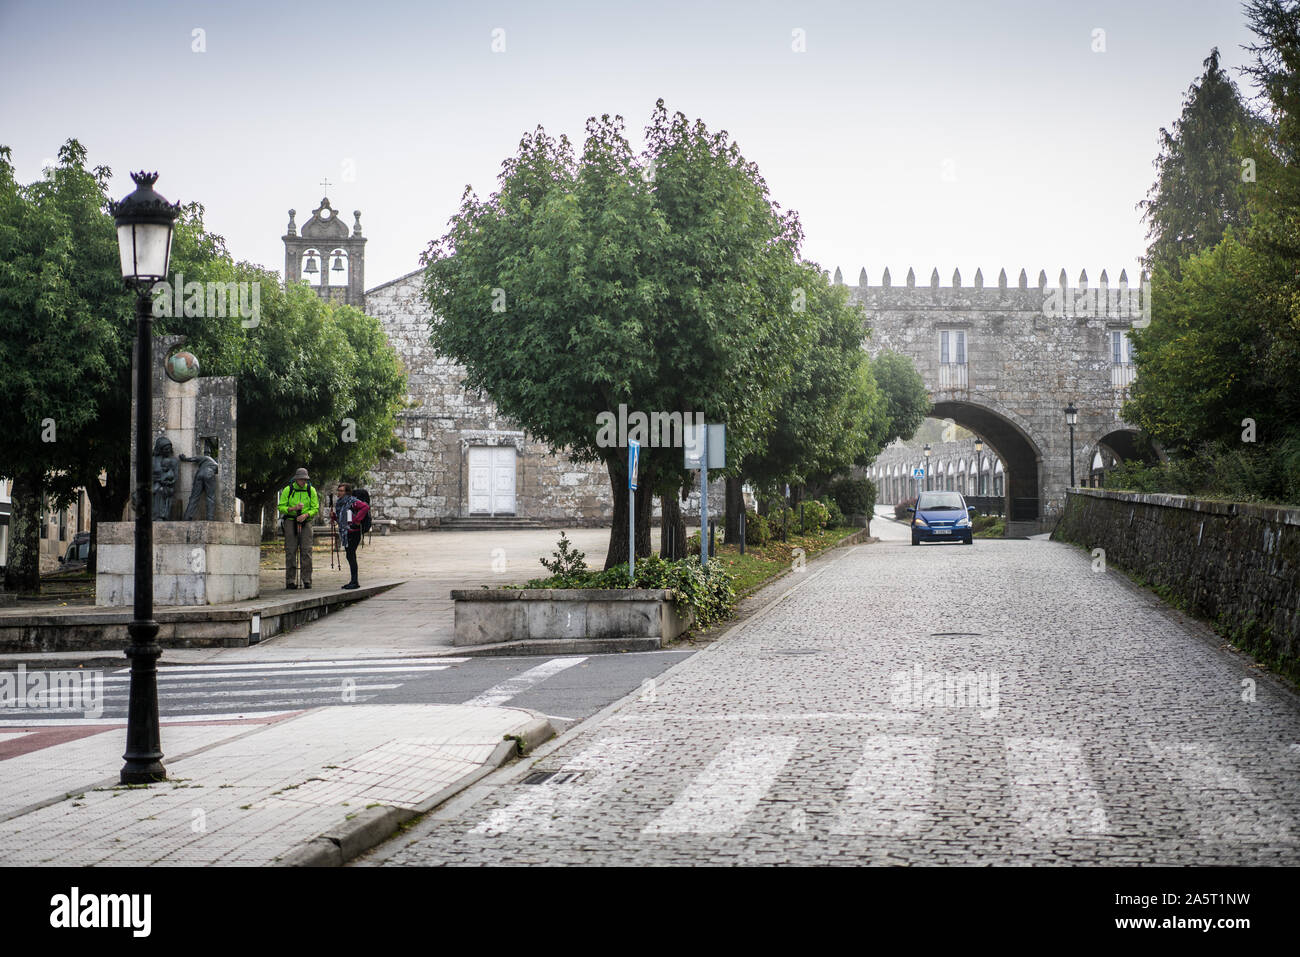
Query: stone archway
1011	439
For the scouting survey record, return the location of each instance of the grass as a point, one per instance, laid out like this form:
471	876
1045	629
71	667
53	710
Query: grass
762	563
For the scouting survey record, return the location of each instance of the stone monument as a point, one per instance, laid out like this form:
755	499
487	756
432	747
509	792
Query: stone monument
207	562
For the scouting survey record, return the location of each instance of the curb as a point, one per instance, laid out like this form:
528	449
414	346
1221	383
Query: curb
371	827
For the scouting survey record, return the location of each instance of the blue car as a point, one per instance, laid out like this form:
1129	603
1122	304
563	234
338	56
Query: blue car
941	517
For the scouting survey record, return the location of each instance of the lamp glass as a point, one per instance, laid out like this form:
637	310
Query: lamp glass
145	249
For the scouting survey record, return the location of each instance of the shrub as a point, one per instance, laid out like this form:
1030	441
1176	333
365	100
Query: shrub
757	529
567	559
836	515
854	496
900	510
815	514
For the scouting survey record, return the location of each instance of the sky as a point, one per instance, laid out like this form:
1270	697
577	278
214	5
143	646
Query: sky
946	133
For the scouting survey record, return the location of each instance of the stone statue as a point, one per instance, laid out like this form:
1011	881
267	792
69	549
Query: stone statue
166	469
205	482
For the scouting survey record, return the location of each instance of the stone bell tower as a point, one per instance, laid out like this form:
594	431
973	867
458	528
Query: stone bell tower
326	256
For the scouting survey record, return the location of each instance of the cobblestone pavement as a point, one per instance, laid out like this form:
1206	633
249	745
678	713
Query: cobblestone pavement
999	703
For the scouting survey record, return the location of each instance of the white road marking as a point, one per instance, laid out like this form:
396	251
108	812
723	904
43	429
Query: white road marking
1221	802
538	807
770	716
1055	794
331	663
501	693
173	678
244	692
720	797
892	791
121	722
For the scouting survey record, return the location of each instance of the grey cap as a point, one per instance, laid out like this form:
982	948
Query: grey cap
301	476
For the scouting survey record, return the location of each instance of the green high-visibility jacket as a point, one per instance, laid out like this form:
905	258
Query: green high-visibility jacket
292	495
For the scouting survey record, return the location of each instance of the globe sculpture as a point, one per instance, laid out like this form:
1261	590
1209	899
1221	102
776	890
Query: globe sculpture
182	367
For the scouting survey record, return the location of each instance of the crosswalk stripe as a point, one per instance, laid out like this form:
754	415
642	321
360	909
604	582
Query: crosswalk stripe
164	675
331	663
605	764
892	790
501	693
720	797
1054	791
1223	805
244	692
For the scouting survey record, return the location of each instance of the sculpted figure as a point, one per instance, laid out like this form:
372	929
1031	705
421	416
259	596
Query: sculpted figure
166	468
205	482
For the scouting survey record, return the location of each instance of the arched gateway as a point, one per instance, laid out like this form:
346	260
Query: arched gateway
1004	361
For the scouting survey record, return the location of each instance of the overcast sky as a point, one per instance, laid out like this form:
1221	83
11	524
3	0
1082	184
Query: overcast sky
949	134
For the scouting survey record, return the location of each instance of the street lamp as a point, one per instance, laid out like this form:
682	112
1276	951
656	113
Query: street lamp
927	466
144	239
1071	417
979	465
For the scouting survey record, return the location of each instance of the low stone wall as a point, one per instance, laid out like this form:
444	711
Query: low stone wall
488	616
195	563
1234	564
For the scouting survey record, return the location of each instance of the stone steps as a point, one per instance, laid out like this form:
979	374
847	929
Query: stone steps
487	523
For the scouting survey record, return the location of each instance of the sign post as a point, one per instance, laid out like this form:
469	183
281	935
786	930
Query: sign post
633	459
706	448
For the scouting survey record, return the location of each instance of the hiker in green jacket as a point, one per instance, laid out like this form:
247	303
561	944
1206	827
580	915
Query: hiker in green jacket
298	504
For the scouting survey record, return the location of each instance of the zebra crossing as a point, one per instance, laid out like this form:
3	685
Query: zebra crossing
262	689
895	786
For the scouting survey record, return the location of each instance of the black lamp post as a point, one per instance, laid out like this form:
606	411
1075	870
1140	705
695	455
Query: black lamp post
144	238
927	466
1071	417
979	466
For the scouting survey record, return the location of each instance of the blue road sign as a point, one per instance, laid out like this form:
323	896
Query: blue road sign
633	458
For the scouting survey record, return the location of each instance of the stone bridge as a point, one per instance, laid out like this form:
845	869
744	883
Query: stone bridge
1004	360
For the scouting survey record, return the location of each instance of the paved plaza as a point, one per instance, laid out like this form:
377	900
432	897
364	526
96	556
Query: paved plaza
1004	703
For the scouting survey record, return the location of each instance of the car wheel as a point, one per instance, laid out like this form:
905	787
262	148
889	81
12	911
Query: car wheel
970	540
914	541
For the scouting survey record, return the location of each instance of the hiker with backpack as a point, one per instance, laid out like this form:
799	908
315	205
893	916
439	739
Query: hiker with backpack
298	505
352	515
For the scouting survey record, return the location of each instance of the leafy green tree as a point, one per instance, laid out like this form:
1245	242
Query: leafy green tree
1201	187
906	400
664	282
61	305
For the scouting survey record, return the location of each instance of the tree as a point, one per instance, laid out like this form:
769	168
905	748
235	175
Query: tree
1201	187
907	402
664	283
61	308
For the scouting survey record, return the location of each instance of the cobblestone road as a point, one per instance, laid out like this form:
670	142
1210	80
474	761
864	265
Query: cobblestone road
1001	703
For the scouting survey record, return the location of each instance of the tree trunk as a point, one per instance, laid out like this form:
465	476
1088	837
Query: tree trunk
107	503
644	511
672	533
23	573
618	544
735	506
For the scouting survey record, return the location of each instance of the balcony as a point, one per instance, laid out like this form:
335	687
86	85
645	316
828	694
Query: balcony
1122	375
952	376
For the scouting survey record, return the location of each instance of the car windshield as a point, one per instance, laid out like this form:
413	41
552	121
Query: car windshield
939	501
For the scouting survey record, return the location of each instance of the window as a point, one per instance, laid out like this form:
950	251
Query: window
952	346
1121	348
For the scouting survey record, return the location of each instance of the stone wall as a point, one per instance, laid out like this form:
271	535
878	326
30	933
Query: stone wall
1236	565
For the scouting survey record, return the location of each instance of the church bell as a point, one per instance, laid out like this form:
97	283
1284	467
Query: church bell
338	264
311	265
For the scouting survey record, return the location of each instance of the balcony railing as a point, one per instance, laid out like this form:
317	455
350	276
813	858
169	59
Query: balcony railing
952	375
1122	375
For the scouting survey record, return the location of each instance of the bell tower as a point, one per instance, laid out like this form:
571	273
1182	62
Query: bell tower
326	256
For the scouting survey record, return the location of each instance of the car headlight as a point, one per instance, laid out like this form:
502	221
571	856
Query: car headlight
963	523
920	522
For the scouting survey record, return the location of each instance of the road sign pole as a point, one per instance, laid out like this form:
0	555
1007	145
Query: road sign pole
633	448
704	497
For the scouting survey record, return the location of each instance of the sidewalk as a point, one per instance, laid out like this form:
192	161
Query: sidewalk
316	787
415	619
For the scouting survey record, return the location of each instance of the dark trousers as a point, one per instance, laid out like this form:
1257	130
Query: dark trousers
354	539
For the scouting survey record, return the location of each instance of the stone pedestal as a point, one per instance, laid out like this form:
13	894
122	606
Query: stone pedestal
194	563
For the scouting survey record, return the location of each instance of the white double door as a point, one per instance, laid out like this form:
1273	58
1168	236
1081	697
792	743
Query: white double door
492	480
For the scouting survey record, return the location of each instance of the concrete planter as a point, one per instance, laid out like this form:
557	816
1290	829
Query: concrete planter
490	616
